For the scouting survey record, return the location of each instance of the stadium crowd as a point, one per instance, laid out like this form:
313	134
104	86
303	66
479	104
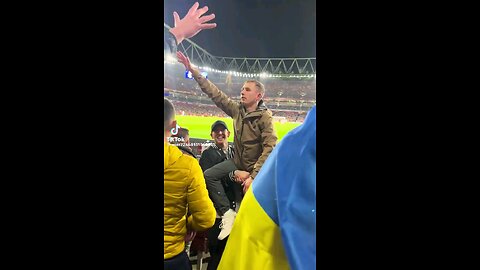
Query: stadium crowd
292	88
199	109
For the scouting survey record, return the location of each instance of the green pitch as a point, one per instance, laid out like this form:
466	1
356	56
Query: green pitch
199	126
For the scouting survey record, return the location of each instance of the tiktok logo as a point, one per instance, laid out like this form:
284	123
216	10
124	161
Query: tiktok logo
174	130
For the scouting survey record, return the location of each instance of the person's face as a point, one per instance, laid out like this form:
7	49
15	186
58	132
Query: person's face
220	135
250	94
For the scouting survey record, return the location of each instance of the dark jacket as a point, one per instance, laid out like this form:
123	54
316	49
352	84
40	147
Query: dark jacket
254	135
211	157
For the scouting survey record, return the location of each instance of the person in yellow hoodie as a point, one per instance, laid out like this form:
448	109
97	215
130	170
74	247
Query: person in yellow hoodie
184	190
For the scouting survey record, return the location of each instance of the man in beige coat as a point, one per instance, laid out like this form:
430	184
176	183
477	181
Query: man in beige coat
254	139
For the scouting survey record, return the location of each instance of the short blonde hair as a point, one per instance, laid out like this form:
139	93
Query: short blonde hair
259	85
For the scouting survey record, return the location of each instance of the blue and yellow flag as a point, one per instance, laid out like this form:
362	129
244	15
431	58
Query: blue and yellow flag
276	224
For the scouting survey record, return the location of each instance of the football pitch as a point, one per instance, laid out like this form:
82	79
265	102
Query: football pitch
199	126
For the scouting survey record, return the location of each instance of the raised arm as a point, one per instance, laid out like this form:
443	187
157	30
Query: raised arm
230	107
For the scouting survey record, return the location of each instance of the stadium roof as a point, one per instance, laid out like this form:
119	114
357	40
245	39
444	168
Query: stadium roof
261	66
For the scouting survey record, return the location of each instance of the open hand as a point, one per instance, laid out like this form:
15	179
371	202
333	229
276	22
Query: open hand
241	176
192	23
184	60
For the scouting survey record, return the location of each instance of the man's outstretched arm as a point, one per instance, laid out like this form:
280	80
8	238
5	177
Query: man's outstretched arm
230	107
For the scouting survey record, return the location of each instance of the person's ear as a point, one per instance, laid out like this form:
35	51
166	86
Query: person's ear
173	124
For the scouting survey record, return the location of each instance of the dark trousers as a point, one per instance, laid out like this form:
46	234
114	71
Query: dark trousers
213	178
179	262
215	246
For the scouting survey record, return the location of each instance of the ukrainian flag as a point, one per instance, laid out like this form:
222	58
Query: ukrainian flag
276	224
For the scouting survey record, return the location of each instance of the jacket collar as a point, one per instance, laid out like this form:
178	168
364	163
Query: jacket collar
258	112
186	149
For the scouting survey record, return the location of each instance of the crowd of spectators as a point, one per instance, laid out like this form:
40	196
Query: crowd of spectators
289	98
291	116
289	88
199	109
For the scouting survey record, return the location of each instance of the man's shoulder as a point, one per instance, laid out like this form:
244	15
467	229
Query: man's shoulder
187	161
266	115
208	151
186	151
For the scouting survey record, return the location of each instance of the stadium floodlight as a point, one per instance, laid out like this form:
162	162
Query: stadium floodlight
170	58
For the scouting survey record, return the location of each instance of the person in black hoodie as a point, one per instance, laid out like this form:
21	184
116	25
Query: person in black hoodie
214	154
189	26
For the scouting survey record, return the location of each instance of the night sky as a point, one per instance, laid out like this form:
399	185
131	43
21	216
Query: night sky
254	28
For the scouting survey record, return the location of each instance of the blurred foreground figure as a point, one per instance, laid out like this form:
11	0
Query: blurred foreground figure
276	227
189	26
184	190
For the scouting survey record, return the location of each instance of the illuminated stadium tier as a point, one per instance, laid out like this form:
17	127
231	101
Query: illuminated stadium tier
290	85
251	67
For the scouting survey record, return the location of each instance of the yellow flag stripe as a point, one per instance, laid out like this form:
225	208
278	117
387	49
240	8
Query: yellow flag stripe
255	241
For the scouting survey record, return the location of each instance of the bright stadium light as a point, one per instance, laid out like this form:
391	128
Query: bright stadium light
170	58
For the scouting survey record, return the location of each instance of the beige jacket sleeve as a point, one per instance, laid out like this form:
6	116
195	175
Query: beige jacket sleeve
230	107
269	140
